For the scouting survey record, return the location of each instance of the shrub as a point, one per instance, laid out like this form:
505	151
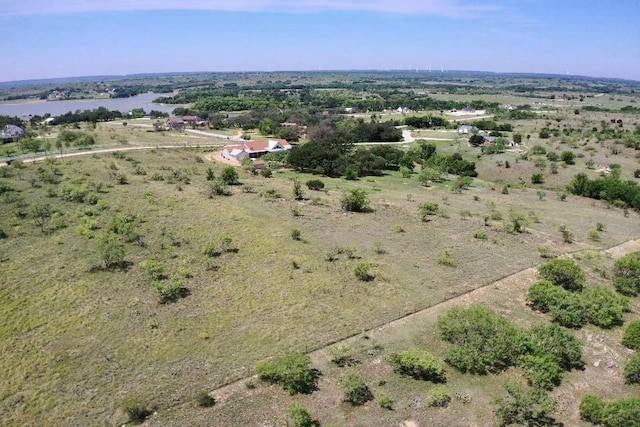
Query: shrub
363	272
111	250
439	397
626	272
567	236
517	223
531	407
419	364
298	194
342	356
136	410
293	372
603	307
205	400
623	412
169	290
557	342
428	209
154	268
538	150
563	272
537	178
483	341
296	234
632	370
229	176
480	235
299	415
568	157
631	338
315	184
592	409
356	201
541	371
565	307
355	389
386	402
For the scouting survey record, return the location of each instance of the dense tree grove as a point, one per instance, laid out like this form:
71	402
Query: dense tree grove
610	188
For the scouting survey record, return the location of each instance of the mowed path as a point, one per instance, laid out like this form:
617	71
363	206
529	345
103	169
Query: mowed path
511	288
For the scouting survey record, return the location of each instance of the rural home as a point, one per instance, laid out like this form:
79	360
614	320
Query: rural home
466	129
489	140
254	149
10	133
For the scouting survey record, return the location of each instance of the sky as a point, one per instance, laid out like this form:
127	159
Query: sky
65	38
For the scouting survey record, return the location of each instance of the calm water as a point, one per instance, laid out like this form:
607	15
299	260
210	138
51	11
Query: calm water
56	108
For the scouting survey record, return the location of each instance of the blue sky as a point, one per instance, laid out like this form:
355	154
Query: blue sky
62	38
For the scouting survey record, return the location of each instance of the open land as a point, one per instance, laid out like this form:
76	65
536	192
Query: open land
80	337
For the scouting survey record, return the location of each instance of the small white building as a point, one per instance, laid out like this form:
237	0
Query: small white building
254	149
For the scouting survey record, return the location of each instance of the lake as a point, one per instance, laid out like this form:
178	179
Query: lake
56	108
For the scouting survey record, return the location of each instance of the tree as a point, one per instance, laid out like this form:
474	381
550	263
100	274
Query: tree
229	176
563	272
41	214
476	140
531	407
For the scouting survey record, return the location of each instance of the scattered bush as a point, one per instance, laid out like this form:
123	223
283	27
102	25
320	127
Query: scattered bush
205	400
136	410
343	356
517	223
356	201
386	402
229	176
299	416
563	272
537	178
355	389
111	250
631	338
298	194
315	184
363	272
439	397
419	364
293	372
169	290
428	209
296	234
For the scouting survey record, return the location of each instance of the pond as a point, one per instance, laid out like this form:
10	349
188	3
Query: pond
56	108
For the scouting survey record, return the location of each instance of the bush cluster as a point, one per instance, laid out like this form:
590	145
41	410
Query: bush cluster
631	337
484	342
622	412
596	305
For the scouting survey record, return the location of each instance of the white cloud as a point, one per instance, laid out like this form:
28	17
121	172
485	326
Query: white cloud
450	8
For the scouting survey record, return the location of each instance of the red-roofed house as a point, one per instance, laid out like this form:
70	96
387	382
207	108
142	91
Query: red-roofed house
254	149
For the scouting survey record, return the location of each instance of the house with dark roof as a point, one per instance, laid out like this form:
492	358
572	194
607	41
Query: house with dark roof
11	133
254	149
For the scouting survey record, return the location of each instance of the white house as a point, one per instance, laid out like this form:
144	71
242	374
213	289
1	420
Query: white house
254	149
466	130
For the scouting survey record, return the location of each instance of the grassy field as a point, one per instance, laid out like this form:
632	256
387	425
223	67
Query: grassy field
79	339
